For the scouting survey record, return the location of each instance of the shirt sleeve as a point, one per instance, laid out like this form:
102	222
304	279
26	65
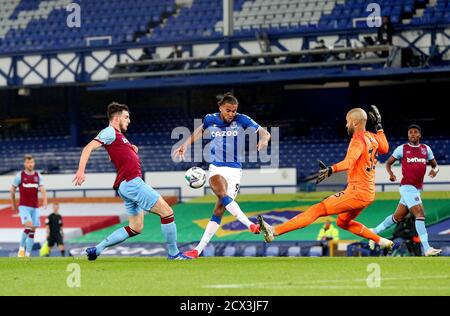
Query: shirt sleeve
207	121
354	151
383	144
41	179
248	122
106	136
398	152
17	180
429	153
321	234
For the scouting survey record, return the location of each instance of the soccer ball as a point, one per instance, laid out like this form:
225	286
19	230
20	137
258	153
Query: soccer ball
195	177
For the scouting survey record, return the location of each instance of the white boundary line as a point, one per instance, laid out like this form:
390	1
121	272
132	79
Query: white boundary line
317	283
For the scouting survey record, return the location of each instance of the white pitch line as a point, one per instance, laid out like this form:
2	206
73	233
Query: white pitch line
317	282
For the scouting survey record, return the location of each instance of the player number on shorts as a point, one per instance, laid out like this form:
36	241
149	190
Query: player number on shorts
338	195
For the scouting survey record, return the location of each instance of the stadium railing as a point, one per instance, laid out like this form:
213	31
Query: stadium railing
82	74
189	65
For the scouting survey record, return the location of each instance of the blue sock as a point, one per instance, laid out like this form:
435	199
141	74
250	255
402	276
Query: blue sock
216	219
24	238
115	238
388	222
226	200
422	231
169	232
29	242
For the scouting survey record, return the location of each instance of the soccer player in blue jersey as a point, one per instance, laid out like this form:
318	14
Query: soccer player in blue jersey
137	195
227	129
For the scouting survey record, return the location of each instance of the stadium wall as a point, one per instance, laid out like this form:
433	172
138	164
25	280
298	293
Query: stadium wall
254	181
168	183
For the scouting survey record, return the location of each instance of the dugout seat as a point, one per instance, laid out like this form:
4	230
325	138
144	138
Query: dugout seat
272	251
315	251
294	251
209	251
250	251
230	251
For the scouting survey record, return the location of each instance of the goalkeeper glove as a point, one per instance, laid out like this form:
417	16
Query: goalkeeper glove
375	117
324	172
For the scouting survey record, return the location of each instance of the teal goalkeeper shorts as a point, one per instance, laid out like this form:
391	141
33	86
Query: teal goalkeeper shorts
138	196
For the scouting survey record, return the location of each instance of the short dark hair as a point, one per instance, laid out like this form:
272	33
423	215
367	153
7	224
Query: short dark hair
228	98
28	157
115	108
415	126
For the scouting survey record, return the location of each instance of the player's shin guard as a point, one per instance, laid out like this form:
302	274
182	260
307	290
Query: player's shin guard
24	237
302	220
169	231
29	243
116	238
422	231
232	207
210	231
388	222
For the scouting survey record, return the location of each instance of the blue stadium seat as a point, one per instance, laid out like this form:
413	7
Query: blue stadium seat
209	251
230	251
272	251
315	251
97	22
446	251
294	251
250	251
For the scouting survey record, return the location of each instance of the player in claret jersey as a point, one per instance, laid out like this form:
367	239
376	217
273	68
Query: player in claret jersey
29	182
414	157
360	162
137	195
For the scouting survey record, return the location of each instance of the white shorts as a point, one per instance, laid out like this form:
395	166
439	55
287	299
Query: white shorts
232	176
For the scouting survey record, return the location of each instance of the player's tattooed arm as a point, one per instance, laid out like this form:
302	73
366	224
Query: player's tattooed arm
435	168
389	164
181	151
80	177
264	138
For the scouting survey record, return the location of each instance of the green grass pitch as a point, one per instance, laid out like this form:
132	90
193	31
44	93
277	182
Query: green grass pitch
226	276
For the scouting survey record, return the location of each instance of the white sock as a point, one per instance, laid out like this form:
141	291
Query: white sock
210	231
236	211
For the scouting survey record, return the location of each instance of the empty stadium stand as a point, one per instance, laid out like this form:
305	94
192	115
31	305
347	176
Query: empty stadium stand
30	25
38	24
152	133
